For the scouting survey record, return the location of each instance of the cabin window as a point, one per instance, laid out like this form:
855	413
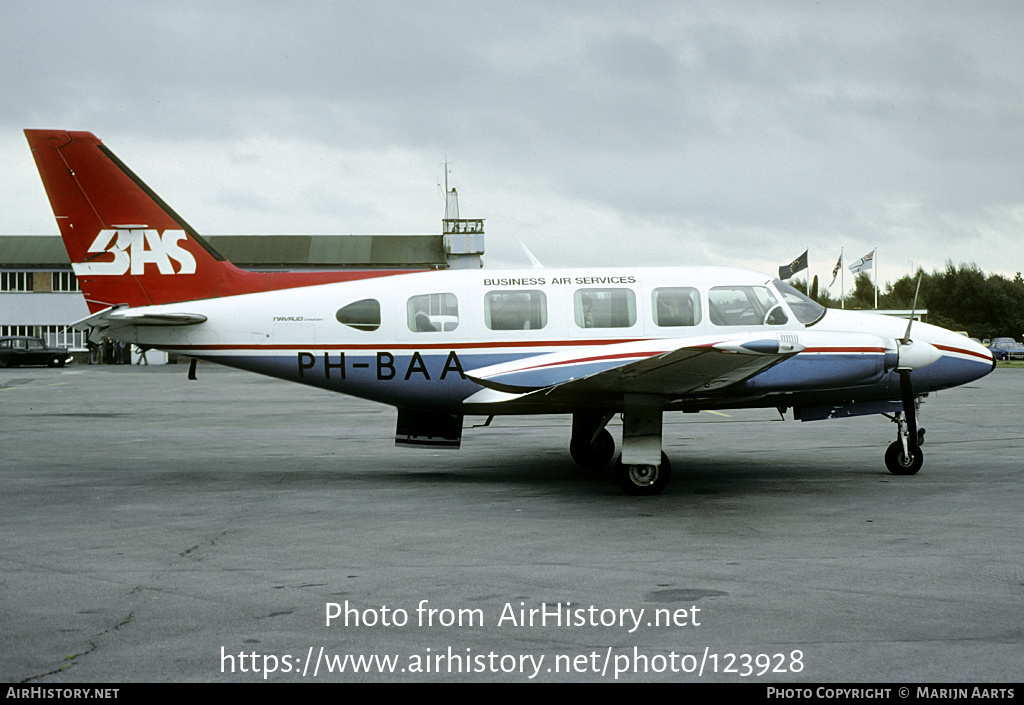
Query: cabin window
605	308
361	315
676	306
745	306
515	310
433	312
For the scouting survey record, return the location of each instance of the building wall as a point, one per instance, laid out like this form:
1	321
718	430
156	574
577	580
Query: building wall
44	303
44	309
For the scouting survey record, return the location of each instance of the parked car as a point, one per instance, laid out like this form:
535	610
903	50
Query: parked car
1006	349
29	350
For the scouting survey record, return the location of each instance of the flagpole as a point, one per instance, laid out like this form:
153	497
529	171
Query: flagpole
842	279
874	259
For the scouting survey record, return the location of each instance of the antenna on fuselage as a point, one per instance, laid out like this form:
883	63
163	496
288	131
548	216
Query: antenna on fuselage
534	262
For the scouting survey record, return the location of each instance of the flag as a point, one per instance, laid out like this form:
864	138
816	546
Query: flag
864	262
835	272
799	264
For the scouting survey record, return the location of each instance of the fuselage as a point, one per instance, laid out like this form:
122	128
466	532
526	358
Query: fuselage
410	339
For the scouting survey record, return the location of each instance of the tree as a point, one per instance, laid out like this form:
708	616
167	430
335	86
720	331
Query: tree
863	294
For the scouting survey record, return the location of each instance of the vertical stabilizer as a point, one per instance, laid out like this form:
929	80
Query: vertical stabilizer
129	247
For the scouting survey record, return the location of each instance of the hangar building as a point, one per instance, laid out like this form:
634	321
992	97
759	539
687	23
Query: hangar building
40	296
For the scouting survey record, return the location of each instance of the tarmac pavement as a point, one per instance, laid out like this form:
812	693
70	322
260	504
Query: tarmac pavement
225	530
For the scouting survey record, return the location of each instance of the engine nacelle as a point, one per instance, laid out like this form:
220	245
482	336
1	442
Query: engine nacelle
914	356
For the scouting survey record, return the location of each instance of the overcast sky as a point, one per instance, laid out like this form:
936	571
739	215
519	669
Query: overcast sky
597	133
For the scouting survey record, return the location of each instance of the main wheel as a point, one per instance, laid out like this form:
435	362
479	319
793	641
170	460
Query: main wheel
899	464
643	479
596	454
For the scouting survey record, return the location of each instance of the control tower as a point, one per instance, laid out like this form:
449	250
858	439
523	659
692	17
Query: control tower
463	237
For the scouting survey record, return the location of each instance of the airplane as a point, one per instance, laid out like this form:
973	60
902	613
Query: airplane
439	345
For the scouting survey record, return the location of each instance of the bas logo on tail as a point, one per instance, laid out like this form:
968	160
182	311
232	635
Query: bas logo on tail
134	248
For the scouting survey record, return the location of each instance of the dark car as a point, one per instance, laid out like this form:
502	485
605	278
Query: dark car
1006	349
29	350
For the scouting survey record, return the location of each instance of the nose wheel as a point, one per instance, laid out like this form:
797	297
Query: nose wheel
902	462
904	456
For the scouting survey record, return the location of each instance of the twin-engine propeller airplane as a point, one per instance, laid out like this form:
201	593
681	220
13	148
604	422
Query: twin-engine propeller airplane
440	345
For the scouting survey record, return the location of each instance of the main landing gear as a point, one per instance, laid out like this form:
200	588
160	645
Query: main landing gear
642	469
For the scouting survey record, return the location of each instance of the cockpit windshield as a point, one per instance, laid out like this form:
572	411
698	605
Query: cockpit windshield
806	310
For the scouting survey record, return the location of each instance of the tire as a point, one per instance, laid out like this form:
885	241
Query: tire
898	464
56	361
595	455
643	480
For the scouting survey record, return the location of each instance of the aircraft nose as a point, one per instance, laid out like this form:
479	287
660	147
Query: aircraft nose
961	360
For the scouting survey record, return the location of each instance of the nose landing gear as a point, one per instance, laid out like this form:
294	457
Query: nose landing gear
904	456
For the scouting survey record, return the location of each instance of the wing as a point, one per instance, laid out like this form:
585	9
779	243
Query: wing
673	368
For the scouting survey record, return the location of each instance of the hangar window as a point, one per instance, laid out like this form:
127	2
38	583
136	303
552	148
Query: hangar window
361	315
676	306
515	310
16	281
433	312
605	308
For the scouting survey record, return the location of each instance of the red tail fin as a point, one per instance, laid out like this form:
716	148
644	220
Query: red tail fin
129	247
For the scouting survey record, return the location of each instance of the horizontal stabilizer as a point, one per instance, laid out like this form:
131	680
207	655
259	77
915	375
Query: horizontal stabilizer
125	316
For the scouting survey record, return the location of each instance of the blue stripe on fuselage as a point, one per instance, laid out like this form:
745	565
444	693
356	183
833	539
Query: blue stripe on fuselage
820	371
416	379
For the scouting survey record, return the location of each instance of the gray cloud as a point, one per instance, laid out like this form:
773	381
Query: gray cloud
749	130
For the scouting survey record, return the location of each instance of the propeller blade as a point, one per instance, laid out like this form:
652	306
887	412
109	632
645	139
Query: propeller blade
909	406
913	309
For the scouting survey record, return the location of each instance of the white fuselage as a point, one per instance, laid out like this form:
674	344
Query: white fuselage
410	339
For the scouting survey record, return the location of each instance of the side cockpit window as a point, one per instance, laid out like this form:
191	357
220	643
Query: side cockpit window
429	313
676	306
361	315
745	306
515	310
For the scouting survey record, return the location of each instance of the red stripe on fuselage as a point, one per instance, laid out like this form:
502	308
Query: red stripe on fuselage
407	346
961	351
